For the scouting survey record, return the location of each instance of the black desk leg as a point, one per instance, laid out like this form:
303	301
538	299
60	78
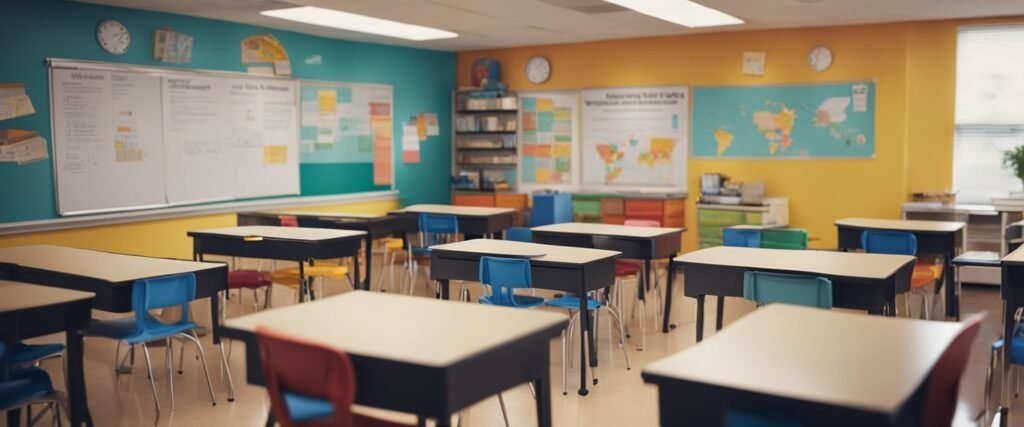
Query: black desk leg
592	349
305	288
271	419
700	317
443	284
667	313
584	327
443	421
542	387
719	312
368	250
357	283
79	405
952	298
14	417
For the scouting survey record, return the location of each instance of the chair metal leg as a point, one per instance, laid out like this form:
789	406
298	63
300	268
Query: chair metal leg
152	380
169	366
202	356
597	324
643	323
906	303
565	357
622	335
988	387
504	412
227	370
572	321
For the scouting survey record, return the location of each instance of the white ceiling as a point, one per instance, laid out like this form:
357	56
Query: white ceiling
483	24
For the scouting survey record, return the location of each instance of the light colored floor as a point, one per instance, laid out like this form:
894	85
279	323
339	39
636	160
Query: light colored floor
620	399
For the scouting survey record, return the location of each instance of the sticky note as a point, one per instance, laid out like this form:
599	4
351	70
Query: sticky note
275	154
545	104
328	101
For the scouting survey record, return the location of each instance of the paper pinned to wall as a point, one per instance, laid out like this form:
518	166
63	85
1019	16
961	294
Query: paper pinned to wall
753	63
433	129
14	102
22	147
421	127
410	144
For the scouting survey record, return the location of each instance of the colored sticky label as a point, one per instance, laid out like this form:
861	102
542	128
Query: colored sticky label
562	164
544	120
563	150
275	154
545	104
529	137
529	104
543	175
328	101
543	150
528	169
529	120
344	95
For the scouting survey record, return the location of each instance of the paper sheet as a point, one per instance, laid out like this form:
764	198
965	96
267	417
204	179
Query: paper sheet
753	63
24	151
433	129
14	102
410	144
421	127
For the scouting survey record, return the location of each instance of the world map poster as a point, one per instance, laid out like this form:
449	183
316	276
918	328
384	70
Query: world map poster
791	121
635	137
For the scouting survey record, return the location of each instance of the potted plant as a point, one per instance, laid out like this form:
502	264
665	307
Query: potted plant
1013	160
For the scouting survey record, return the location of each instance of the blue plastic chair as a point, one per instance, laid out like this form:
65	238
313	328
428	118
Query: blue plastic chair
888	242
769	288
741	237
151	294
23	387
519	234
1014	355
504	276
746	419
434	230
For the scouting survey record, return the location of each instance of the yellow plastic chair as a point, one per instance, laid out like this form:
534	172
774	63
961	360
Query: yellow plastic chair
316	270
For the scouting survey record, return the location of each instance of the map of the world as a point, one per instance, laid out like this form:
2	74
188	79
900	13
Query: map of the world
794	121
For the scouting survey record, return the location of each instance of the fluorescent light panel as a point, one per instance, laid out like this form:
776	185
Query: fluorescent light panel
682	12
360	23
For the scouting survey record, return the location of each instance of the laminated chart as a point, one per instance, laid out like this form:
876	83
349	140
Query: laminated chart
548	137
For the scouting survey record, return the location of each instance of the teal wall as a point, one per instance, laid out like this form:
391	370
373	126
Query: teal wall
34	30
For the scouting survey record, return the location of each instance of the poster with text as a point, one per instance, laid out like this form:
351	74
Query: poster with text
635	137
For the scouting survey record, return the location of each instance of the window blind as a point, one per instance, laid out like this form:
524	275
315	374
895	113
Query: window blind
989	110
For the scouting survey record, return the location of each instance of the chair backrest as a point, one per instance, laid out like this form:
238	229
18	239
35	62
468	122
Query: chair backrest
307	369
504	275
434	227
767	288
741	237
944	385
888	242
289	221
519	234
784	238
162	292
642	223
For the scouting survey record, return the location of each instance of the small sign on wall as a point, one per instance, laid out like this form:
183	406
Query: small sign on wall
753	63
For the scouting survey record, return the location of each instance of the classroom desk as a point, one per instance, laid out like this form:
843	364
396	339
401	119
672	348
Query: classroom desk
859	280
1012	292
943	238
643	243
473	221
419	355
560	268
823	367
375	226
285	243
29	311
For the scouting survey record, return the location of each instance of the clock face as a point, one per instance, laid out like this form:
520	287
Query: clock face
820	58
538	69
113	37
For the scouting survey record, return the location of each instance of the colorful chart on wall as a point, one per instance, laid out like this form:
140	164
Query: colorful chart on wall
790	121
635	137
549	138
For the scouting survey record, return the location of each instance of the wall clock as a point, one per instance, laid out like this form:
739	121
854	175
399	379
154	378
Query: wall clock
819	58
113	37
538	69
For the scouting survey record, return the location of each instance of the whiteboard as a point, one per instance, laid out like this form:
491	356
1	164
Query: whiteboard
107	139
138	137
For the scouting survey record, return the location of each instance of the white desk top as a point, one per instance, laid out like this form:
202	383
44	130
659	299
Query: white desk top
455	210
1015	257
613	230
534	251
106	266
845	264
845	359
325	214
415	330
903	224
285	233
18	296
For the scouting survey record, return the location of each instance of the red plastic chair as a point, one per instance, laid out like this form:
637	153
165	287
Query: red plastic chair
944	385
310	384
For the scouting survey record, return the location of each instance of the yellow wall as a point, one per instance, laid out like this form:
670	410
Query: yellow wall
162	238
911	63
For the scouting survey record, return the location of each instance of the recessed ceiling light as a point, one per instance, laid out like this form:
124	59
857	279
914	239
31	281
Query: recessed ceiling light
360	23
682	12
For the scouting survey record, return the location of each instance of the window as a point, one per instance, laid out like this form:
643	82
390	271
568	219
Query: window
989	110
